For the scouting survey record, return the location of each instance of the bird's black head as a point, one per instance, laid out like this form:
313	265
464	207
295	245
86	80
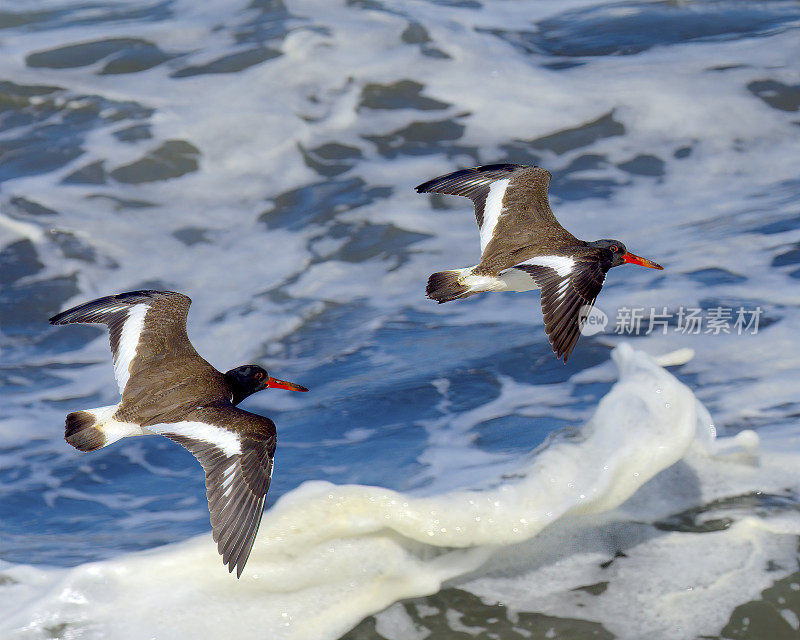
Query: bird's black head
613	253
249	378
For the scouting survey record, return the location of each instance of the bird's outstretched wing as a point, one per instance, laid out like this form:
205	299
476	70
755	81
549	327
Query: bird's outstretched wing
238	465
569	288
142	325
511	207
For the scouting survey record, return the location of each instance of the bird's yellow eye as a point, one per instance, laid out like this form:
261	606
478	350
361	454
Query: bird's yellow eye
259	375
614	248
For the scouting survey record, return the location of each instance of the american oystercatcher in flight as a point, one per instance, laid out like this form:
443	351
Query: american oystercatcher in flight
524	247
168	389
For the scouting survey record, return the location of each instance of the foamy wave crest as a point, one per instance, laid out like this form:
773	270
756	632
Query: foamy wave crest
327	555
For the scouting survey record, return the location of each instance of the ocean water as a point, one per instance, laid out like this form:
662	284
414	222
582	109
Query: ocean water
446	477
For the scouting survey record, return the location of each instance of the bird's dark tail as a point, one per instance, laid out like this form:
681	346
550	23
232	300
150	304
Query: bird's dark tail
80	431
91	429
444	286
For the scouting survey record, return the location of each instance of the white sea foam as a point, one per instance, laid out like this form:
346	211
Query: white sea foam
249	155
328	555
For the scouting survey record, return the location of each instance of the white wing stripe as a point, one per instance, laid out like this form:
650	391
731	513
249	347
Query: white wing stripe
226	441
561	264
228	476
562	289
492	210
128	342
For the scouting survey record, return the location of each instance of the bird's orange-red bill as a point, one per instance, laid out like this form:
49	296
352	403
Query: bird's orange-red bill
283	384
632	258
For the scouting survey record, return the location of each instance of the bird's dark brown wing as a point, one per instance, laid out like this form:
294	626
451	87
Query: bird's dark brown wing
472	183
564	295
512	210
236	449
143	326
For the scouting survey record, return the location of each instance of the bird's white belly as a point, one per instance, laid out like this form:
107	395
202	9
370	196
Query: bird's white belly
516	280
508	280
